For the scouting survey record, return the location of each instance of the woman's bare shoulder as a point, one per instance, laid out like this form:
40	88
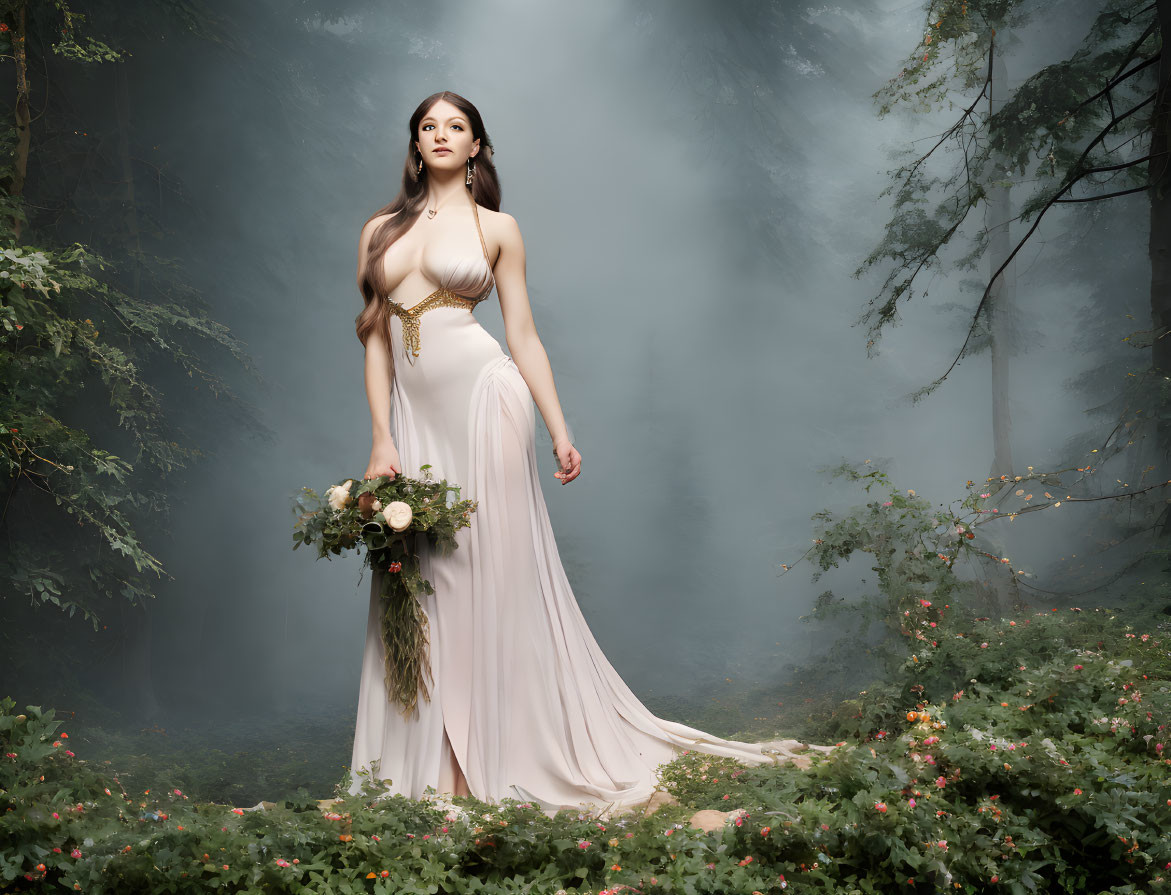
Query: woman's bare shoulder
374	223
501	224
496	216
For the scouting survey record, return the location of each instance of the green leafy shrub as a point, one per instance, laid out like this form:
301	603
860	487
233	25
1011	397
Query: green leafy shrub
1043	771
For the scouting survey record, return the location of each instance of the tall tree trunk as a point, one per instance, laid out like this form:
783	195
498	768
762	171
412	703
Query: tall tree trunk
1002	319
137	671
1002	298
23	119
133	232
1159	177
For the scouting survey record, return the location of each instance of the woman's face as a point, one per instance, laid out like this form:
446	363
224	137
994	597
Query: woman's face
445	137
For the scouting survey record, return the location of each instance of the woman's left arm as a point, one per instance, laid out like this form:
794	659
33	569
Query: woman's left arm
525	345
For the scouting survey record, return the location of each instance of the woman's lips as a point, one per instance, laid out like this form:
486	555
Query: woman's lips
442	151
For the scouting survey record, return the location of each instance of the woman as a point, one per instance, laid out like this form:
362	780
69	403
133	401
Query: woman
524	704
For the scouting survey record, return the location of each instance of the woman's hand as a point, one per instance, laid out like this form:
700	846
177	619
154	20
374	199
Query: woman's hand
384	461
569	459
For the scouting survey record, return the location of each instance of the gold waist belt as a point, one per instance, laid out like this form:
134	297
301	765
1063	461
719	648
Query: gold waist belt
440	298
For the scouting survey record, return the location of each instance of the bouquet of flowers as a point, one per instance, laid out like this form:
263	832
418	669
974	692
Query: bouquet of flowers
387	516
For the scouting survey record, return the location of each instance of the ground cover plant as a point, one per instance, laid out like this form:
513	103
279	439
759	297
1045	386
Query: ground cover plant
1023	754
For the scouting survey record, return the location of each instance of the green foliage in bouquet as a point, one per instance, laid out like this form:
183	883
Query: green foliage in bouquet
386	516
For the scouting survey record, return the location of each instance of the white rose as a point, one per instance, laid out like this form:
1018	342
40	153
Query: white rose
377	505
339	495
398	515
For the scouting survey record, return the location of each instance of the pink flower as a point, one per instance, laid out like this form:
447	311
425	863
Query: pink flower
76	853
941	781
911	802
880	807
983	646
1077	792
1078	667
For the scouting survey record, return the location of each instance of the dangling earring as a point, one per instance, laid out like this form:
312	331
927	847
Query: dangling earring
419	170
471	171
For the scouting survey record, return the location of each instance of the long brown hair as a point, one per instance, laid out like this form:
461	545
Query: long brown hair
409	203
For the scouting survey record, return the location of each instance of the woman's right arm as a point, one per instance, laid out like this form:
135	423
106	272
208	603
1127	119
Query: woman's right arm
384	459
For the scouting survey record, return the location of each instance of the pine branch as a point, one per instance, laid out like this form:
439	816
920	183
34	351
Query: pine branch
1070	181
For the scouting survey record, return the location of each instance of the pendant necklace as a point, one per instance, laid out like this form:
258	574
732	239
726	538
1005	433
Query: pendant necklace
431	212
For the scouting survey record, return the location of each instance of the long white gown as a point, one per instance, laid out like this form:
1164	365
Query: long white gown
522	693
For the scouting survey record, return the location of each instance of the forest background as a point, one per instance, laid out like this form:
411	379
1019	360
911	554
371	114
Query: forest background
182	184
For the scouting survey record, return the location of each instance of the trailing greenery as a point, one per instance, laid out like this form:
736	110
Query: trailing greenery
385	517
